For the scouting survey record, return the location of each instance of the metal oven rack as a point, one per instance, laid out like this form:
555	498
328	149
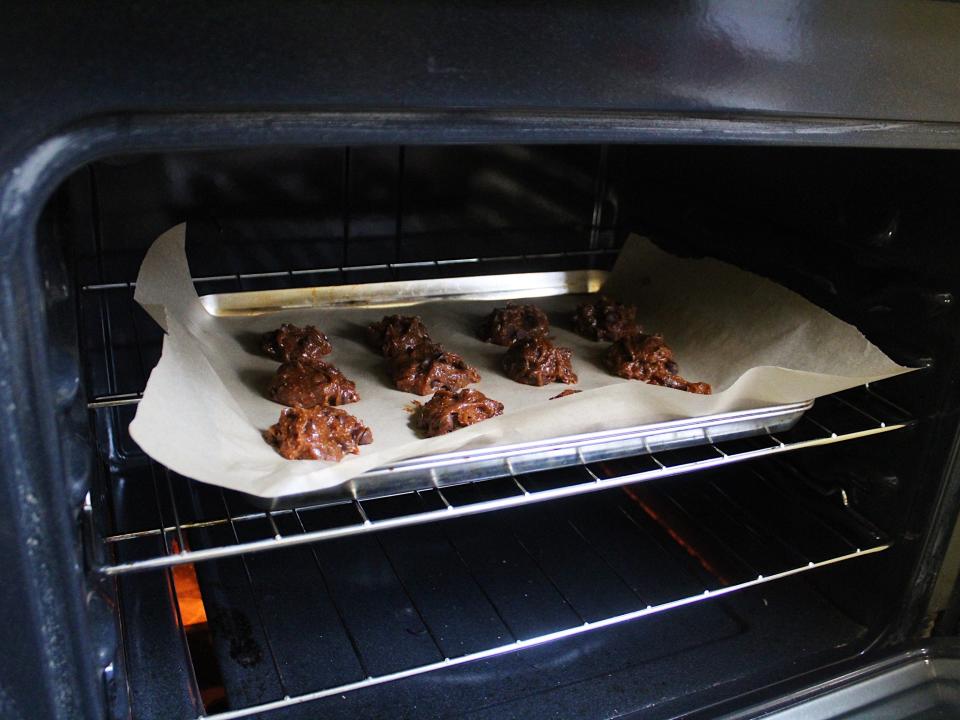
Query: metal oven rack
837	418
440	596
144	517
121	344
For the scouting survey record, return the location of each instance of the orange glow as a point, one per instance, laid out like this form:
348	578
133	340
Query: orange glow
192	611
683	542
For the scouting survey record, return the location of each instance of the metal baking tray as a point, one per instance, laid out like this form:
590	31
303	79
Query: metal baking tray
454	468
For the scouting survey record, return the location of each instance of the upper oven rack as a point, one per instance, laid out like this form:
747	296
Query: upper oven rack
121	344
163	538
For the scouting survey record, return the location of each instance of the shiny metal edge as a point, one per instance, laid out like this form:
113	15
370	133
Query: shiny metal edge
908	686
779	414
437	471
401	293
502	461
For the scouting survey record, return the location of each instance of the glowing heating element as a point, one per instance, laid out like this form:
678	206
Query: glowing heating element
189	599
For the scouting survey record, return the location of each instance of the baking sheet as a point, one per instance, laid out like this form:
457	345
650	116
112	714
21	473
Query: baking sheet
757	343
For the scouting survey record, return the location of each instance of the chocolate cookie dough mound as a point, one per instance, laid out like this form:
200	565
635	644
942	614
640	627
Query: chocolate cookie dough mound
447	411
537	361
320	433
296	344
428	368
306	386
648	358
678	383
504	326
605	319
397	334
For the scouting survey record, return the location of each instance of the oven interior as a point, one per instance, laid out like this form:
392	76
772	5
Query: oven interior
701	591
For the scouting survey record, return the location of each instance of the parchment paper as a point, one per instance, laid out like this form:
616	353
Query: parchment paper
757	343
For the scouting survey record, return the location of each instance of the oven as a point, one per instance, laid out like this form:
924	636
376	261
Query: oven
800	572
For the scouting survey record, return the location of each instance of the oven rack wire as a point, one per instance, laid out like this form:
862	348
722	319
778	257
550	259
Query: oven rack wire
524	644
838	418
744	559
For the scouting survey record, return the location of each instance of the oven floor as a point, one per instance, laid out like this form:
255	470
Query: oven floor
288	622
658	667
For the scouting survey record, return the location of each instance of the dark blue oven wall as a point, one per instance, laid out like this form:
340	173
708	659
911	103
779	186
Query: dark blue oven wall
79	85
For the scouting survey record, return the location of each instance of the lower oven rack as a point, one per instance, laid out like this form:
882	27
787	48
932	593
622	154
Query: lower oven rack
181	506
523	644
679	527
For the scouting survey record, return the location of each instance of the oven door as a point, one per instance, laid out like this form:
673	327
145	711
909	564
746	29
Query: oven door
922	683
